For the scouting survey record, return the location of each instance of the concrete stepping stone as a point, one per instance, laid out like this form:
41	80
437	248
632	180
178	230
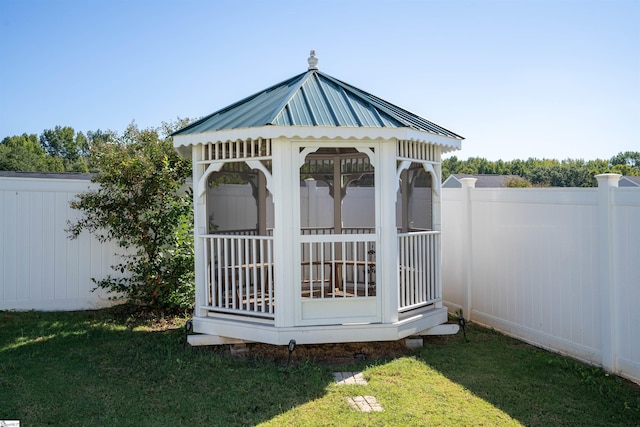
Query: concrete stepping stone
361	403
342	378
365	403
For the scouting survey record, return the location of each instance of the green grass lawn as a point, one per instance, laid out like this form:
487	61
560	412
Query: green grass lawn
106	368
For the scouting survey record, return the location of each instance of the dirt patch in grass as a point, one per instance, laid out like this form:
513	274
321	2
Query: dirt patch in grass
342	353
148	320
328	354
332	354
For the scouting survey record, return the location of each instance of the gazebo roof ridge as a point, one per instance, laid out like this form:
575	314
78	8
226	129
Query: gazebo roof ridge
409	119
230	107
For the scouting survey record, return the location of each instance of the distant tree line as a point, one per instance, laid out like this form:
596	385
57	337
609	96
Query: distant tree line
546	172
62	149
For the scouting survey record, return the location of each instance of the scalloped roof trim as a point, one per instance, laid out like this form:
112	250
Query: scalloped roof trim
317	133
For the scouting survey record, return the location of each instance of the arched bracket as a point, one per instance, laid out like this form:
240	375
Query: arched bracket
405	164
428	167
256	164
434	177
202	182
369	152
302	158
216	167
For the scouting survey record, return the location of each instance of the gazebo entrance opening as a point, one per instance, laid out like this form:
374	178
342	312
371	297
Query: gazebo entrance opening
414	205
418	240
338	236
238	244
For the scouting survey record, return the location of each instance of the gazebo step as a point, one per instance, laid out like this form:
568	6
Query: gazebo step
444	329
204	339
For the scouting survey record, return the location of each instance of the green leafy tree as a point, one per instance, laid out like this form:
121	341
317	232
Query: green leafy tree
24	153
517	182
516	167
449	167
98	138
139	205
627	170
597	167
626	163
480	165
71	148
571	173
631	158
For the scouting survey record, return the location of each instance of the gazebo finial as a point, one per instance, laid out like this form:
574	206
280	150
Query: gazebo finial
313	61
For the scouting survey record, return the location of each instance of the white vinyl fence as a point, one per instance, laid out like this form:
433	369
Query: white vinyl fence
559	268
40	268
556	267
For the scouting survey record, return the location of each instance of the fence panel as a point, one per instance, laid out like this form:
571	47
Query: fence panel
550	266
626	278
40	267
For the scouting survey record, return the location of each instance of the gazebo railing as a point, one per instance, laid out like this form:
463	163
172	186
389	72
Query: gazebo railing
238	232
338	266
419	282
239	274
307	231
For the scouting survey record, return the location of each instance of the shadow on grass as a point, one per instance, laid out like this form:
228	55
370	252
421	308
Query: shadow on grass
87	369
532	385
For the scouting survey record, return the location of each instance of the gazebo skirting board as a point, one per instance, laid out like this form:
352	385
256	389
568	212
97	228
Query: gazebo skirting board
216	330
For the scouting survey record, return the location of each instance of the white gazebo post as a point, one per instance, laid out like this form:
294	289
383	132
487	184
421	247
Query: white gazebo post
200	227
386	229
285	220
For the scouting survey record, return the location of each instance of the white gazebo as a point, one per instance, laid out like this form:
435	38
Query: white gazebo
317	217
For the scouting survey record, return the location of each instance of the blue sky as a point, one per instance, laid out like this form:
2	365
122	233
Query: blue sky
518	79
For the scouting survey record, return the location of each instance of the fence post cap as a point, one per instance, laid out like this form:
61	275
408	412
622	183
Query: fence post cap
468	182
608	179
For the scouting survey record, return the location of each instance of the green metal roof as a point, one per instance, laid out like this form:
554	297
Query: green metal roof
313	98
